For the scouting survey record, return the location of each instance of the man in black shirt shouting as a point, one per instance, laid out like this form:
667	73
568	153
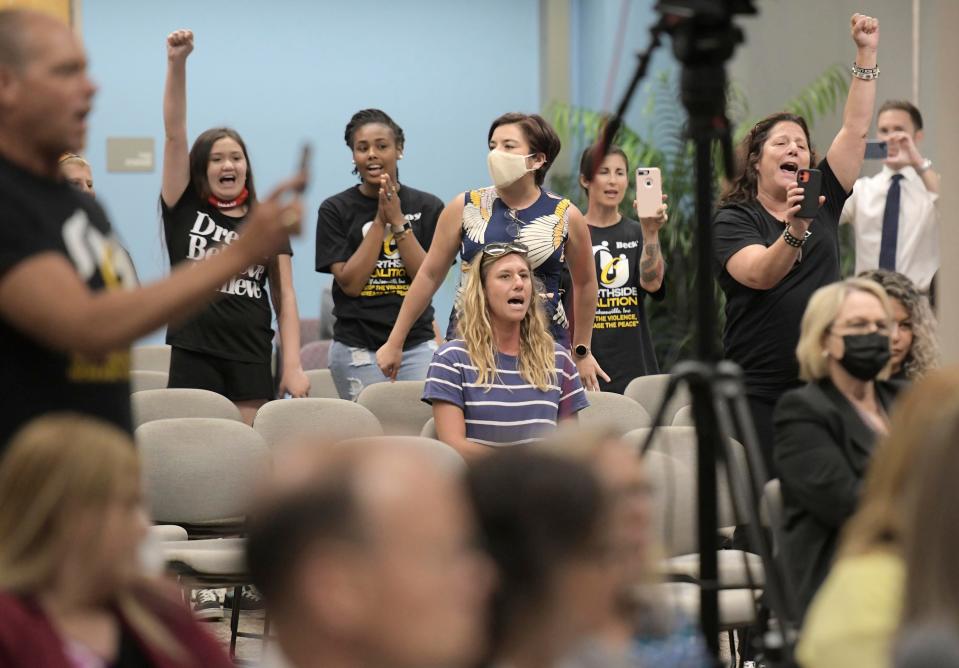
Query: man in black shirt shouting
69	306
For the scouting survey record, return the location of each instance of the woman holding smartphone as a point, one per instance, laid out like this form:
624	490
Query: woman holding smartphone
629	265
769	259
522	147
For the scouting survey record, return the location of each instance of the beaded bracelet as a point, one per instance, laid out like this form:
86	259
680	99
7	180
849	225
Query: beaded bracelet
865	73
795	242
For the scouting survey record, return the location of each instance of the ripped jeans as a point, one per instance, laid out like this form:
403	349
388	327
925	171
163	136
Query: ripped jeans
355	368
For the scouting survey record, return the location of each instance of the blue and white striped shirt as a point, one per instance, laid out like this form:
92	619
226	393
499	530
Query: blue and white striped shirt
508	410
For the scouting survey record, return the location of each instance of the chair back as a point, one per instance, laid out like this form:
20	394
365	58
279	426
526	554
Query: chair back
609	410
321	384
315	355
180	402
150	358
650	390
398	406
148	380
199	470
445	455
328	419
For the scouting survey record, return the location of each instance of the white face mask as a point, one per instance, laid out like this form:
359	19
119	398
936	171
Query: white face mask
507	168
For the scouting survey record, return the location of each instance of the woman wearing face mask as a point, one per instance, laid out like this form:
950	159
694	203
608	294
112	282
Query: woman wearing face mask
73	593
373	238
629	266
915	350
206	195
826	430
768	260
516	208
503	380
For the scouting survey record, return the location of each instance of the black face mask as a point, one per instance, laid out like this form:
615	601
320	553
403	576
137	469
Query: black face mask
866	354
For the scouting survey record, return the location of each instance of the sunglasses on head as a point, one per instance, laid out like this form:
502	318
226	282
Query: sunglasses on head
499	248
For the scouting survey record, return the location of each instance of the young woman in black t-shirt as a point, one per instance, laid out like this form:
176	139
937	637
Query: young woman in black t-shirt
373	237
207	192
629	265
768	260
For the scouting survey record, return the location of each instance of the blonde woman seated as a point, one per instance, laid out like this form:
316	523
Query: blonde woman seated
825	431
853	618
72	591
504	381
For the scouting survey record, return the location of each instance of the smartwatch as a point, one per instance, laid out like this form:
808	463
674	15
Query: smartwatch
581	351
400	230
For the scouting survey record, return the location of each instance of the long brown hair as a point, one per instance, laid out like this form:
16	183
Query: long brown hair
55	467
537	352
930	518
879	521
744	187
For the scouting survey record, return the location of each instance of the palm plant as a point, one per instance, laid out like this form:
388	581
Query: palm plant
664	144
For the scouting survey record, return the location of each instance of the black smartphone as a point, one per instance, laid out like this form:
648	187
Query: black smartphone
305	159
810	180
876	150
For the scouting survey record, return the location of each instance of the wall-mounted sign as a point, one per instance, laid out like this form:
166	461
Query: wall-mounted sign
130	154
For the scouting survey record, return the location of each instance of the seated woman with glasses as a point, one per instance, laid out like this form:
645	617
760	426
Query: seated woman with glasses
503	381
825	431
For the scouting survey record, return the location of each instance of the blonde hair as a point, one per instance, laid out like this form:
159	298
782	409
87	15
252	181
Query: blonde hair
73	159
55	468
880	519
821	312
537	351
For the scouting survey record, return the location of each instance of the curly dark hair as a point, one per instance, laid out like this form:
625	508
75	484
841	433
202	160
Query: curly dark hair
745	186
923	354
540	135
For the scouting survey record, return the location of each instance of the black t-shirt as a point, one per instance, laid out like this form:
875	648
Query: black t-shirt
621	341
37	216
237	325
343	220
762	326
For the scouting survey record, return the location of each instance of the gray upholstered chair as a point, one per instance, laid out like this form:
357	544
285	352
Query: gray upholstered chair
148	380
150	358
179	402
445	454
649	392
327	419
398	406
608	410
321	384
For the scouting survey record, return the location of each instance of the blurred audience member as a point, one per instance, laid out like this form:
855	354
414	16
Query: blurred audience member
371	563
641	628
930	518
543	521
504	381
76	171
853	617
915	350
826	430
72	591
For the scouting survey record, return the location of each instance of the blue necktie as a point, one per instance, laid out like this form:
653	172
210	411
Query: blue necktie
890	226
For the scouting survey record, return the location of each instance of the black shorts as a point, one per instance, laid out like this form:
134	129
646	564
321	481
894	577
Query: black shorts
237	381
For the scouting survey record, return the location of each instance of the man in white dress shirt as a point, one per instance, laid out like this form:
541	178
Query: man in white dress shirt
894	212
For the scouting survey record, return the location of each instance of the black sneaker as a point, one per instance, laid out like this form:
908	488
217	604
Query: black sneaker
250	599
207	606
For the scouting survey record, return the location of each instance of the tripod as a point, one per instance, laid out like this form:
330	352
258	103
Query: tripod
704	38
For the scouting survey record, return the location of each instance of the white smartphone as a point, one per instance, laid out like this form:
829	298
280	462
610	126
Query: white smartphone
649	191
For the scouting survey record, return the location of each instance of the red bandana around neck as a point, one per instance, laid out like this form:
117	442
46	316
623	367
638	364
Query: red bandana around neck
220	204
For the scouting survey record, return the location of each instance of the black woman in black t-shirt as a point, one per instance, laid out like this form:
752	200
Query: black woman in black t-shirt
373	237
629	266
206	195
769	261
